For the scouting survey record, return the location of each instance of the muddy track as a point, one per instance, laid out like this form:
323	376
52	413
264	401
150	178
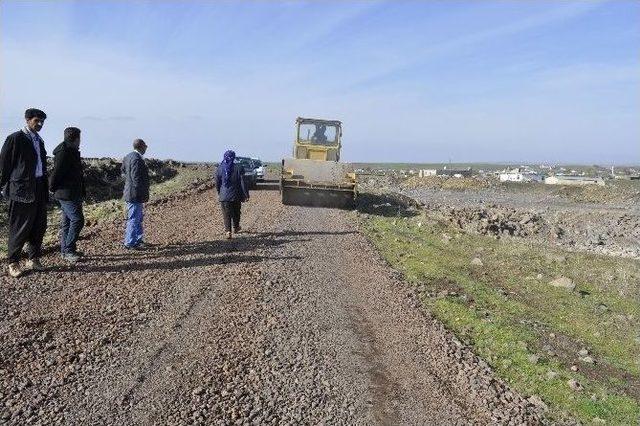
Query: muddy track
296	321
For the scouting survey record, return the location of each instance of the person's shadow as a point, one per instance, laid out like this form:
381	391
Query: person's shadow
187	255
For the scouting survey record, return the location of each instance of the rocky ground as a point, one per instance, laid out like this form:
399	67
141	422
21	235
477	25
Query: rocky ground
602	220
298	320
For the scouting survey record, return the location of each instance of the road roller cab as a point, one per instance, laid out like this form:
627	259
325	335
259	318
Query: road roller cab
314	176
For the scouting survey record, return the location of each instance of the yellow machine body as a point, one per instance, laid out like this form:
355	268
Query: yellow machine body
314	176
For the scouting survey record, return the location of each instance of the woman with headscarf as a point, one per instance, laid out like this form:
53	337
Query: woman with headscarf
232	191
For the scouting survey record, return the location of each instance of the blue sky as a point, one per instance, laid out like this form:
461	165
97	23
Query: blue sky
419	81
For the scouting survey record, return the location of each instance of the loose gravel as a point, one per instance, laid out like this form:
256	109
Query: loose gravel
298	320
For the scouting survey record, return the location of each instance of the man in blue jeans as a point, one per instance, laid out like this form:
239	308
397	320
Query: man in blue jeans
67	184
136	193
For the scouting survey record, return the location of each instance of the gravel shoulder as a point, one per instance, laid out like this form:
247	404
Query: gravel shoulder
296	321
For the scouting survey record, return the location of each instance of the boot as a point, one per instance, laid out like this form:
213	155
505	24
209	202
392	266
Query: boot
34	265
15	270
71	257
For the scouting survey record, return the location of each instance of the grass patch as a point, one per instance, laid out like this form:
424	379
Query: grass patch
529	331
185	177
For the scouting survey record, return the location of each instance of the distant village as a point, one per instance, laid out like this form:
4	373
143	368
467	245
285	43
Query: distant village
547	174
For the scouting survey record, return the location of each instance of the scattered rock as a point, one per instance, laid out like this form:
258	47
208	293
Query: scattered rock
476	261
574	385
551	375
537	401
563	282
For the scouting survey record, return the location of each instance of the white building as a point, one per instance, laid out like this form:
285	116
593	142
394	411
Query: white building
573	180
427	172
519	175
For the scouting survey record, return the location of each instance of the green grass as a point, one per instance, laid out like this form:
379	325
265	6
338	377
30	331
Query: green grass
507	310
185	177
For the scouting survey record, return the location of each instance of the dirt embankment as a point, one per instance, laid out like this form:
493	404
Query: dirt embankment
298	320
597	219
104	180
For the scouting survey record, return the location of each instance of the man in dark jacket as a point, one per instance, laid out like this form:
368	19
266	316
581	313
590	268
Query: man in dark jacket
232	191
67	184
136	192
23	180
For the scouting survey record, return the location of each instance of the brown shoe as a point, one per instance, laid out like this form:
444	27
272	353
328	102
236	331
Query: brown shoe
229	235
15	270
34	265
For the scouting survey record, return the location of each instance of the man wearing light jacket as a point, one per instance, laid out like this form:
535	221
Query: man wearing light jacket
136	193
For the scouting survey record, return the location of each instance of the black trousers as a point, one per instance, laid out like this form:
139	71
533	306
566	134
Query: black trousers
28	224
231	214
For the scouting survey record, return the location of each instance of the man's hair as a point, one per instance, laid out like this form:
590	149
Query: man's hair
138	144
71	134
34	112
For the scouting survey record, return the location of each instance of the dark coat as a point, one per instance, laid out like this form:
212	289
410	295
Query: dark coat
236	190
67	177
18	168
136	178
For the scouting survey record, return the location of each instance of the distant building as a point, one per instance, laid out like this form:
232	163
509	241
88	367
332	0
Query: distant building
454	172
520	174
427	172
573	180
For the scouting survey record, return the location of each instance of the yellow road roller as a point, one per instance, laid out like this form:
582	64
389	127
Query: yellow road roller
314	176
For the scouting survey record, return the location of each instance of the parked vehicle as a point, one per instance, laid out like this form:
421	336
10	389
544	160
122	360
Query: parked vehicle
259	169
250	175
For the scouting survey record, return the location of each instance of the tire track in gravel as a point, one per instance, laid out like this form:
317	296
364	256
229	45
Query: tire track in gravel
297	321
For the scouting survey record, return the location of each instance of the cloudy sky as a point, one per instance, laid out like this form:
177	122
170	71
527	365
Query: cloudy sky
419	81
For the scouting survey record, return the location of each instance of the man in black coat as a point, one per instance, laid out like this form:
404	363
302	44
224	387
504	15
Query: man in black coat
67	184
136	193
23	180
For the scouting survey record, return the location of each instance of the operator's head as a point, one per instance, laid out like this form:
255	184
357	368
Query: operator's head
35	119
140	146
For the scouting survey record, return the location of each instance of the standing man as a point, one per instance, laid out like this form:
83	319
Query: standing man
136	192
67	183
23	180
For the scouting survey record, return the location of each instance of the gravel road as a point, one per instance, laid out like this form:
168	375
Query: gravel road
296	321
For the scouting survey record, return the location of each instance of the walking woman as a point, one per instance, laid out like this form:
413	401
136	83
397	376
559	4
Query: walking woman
232	192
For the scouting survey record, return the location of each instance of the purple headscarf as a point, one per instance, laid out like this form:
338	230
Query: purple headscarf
227	166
